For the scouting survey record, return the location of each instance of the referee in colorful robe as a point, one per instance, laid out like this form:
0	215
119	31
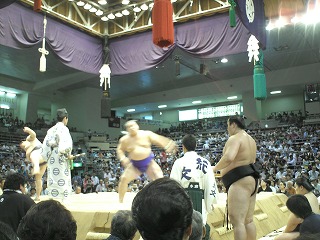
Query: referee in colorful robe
195	175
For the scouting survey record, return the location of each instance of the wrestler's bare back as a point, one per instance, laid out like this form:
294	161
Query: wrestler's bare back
138	146
246	153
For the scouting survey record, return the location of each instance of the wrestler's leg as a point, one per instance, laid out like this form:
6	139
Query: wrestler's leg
154	171
35	158
128	175
38	178
249	224
238	205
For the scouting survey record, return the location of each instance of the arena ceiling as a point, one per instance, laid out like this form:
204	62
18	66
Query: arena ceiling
290	47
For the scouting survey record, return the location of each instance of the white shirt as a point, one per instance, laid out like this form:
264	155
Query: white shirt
95	180
194	168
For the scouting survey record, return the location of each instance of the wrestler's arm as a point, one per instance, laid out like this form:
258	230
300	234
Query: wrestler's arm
293	222
230	152
167	144
32	134
124	160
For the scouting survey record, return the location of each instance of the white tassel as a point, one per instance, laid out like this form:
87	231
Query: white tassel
43	61
253	48
105	73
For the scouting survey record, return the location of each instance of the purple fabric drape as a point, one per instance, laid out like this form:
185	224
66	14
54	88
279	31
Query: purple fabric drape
212	37
204	38
135	53
20	27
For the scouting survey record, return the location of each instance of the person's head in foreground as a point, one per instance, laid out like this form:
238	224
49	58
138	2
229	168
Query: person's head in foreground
198	230
6	232
123	226
15	181
48	220
163	210
299	205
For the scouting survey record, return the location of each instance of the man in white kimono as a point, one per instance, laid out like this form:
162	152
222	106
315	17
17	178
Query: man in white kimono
195	175
57	147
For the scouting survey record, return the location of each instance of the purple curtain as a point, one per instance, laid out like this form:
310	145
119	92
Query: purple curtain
212	37
20	27
205	38
135	53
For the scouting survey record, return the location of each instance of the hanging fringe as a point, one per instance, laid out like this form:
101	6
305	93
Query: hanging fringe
43	50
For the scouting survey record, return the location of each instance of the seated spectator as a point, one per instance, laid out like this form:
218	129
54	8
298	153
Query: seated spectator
1	185
32	193
313	173
299	205
14	204
290	189
101	186
6	232
198	230
48	220
303	187
44	189
264	186
282	188
78	190
122	226
168	217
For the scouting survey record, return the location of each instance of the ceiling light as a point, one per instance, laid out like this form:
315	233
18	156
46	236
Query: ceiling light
224	60
275	92
131	110
144	7
151	5
312	17
125	2
280	23
71	0
87	6
162	106
104	18
93	10
111	16
125	12
173	1
196	102
137	9
4	106
232	97
80	3
295	20
102	2
270	26
118	14
11	95
99	12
